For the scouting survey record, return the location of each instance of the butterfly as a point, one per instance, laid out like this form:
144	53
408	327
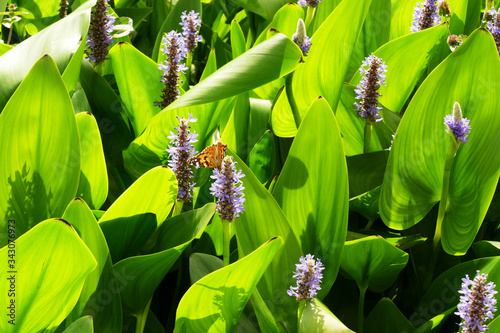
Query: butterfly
210	157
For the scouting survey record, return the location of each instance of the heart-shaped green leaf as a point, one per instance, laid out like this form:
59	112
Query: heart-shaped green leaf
40	148
215	302
45	277
414	174
386	317
315	199
316	317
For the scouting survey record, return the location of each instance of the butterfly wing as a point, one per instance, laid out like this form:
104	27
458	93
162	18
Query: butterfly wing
210	157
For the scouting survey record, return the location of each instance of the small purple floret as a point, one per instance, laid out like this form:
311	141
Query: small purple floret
459	128
373	76
311	3
176	51
228	189
494	26
425	15
190	24
477	303
308	276
181	149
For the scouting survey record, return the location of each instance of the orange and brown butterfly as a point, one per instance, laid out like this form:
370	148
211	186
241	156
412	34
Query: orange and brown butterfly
210	157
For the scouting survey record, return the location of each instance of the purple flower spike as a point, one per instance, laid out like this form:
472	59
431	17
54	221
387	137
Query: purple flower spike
181	149
373	71
477	303
425	15
228	189
494	26
176	51
190	24
300	38
99	36
457	124
308	276
311	3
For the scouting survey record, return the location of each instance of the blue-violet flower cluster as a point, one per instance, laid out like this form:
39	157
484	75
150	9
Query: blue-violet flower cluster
425	15
99	36
300	38
190	24
311	3
176	51
181	149
373	71
494	25
477	303
228	189
458	125
308	275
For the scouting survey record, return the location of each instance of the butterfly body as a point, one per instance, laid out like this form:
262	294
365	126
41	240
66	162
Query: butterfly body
210	157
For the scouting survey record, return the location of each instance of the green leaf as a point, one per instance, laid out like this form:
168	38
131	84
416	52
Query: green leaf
386	317
366	171
264	8
59	40
138	80
319	77
51	264
4	47
373	262
40	148
71	73
138	212
316	317
107	316
237	39
173	19
202	264
486	248
93	186
314	198
261	64
82	325
414	174
262	158
262	220
215	302
149	270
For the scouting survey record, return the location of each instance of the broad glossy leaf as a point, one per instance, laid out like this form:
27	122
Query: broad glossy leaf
4	47
215	302
313	197
366	171
261	64
414	173
262	158
93	186
319	76
82	325
138	80
59	41
237	39
147	271
262	220
40	148
372	262
321	14
486	248
235	133
71	73
264	8
316	317
138	212
173	19
51	264
202	264
386	317
102	282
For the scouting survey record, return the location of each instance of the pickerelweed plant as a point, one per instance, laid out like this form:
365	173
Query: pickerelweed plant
181	149
458	129
308	276
477	303
99	36
175	49
191	23
228	189
493	23
372	71
425	15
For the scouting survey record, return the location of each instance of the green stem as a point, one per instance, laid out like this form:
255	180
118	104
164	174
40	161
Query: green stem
141	319
10	33
436	241
189	61
178	208
361	309
369	224
226	226
309	15
291	99
368	136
